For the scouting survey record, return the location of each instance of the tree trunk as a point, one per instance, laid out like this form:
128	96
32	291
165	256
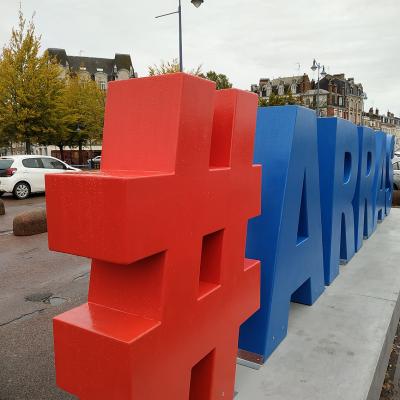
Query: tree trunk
28	146
61	147
80	153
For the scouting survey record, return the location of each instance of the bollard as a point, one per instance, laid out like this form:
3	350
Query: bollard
169	284
396	198
2	208
30	223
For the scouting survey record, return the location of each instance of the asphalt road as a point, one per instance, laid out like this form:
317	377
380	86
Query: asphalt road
35	285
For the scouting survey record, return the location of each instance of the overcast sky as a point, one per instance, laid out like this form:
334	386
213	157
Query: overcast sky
245	39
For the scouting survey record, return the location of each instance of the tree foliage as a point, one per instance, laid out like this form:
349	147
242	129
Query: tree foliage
81	112
170	67
221	80
30	88
37	104
278	100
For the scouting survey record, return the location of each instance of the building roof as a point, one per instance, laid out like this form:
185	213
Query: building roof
287	80
92	64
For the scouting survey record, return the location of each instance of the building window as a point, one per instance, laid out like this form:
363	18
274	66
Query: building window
293	88
281	90
102	85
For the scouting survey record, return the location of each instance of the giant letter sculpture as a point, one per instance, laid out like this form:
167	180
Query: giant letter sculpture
338	170
287	237
165	224
379	190
389	172
363	203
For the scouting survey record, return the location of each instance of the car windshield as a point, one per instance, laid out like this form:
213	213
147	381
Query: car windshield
5	163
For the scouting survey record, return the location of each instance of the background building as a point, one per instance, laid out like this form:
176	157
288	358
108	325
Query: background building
101	70
338	96
387	123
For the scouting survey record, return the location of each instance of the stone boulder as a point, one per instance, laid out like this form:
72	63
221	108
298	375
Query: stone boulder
30	223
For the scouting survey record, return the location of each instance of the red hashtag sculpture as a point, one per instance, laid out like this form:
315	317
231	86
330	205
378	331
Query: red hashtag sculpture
165	224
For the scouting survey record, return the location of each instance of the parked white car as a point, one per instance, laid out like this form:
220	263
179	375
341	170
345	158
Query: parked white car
396	173
23	175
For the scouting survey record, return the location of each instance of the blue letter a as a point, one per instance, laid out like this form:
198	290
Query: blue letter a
287	235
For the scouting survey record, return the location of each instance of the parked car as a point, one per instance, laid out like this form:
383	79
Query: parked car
396	173
23	175
95	160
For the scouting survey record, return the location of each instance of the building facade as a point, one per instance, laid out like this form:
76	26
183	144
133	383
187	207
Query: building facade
388	122
338	96
100	70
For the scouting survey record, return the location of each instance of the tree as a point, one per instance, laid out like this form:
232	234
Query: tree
278	100
221	80
81	112
30	88
171	67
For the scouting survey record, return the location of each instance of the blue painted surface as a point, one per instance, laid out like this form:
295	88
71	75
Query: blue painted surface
287	237
390	141
379	191
363	202
338	168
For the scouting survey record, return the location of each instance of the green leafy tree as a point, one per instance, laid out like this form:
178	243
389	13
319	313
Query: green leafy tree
278	100
221	80
262	102
30	89
81	112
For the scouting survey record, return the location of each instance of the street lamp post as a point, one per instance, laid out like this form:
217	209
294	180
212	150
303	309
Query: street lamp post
314	67
197	4
364	97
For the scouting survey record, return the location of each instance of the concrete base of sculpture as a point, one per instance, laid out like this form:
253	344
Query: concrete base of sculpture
339	348
30	223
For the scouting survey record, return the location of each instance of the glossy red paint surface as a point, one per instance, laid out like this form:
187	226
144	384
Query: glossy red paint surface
165	224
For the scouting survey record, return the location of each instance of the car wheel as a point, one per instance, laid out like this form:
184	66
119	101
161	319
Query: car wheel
1	193
395	187
22	190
